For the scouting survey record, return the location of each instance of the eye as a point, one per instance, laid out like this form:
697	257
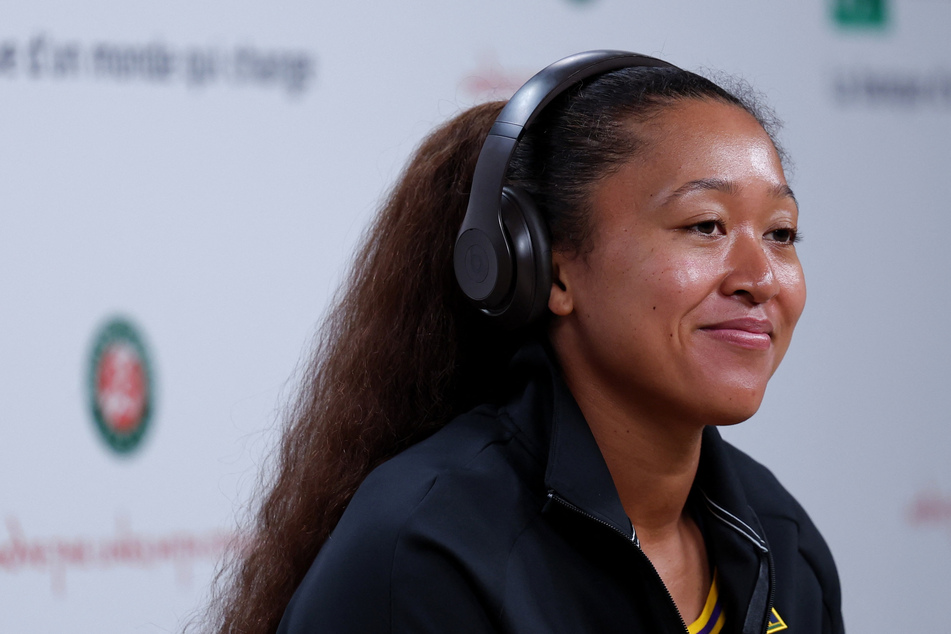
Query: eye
784	236
707	228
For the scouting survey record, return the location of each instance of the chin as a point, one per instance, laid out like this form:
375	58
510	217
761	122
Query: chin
733	406
727	421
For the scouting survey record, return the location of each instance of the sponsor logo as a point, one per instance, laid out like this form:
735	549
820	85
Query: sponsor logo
776	623
906	89
863	14
59	555
47	57
120	385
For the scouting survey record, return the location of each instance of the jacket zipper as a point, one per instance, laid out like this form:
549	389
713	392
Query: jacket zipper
772	589
631	540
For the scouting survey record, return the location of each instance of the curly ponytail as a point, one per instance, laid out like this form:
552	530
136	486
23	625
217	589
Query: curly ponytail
395	360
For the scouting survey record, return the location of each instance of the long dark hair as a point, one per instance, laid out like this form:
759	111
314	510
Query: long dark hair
401	353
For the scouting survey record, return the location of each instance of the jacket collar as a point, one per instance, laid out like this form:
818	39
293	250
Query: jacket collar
576	470
576	473
722	492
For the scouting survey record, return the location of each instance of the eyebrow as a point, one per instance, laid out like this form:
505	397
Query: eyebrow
728	187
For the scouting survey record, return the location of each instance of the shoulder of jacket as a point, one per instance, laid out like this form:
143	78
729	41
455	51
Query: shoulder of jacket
448	472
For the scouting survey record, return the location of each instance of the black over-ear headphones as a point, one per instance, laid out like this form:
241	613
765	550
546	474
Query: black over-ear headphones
502	256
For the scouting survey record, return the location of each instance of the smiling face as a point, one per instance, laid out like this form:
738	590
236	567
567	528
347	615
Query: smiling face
684	302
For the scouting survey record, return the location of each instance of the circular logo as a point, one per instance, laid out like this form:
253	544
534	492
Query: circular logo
120	385
477	263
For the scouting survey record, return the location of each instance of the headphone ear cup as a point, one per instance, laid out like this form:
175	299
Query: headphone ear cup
530	241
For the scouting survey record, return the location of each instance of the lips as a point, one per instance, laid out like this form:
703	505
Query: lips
746	332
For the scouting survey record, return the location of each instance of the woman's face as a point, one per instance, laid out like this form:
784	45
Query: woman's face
685	300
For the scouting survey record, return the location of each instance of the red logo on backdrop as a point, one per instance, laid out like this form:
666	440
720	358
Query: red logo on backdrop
930	507
120	385
491	81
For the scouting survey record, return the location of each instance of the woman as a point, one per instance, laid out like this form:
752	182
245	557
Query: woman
440	474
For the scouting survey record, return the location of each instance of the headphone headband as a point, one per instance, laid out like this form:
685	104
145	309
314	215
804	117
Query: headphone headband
483	257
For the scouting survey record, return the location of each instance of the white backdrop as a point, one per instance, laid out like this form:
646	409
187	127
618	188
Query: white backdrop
205	170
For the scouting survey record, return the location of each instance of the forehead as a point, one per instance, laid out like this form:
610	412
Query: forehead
708	135
692	148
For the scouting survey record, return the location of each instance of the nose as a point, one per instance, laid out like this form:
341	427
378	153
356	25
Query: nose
750	273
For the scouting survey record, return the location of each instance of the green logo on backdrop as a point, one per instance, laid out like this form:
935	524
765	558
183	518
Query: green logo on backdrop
860	13
120	385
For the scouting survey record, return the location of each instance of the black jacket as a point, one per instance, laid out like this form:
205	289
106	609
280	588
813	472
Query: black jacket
507	520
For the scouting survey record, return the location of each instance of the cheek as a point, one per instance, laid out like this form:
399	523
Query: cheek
690	273
659	281
794	288
676	279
